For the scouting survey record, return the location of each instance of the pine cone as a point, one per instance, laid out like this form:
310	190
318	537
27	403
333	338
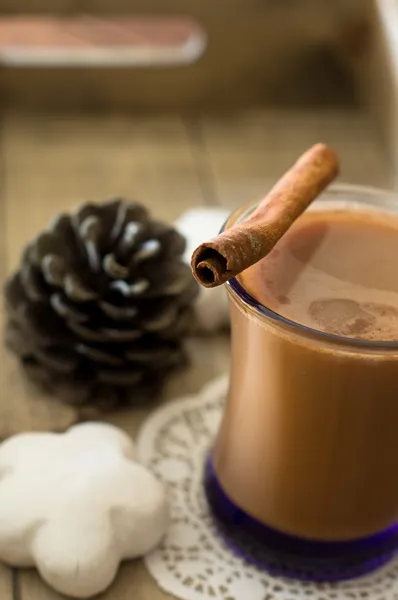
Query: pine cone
100	305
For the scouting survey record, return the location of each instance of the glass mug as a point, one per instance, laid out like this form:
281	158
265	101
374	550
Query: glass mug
303	475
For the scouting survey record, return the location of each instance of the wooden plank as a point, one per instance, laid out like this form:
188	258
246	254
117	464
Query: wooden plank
6	587
53	163
31	581
156	160
210	83
21	405
248	151
6	575
338	7
133	581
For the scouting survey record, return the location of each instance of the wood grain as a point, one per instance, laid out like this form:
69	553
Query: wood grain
31	587
6	587
52	163
247	152
132	581
6	575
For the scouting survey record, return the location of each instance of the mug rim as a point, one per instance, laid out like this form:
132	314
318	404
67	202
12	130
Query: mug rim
235	288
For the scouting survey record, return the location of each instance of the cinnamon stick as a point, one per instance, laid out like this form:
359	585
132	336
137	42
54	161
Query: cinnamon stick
236	249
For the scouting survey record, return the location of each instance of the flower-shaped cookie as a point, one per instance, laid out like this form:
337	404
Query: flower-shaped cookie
75	504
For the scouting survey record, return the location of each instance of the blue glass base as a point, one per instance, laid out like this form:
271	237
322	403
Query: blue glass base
289	556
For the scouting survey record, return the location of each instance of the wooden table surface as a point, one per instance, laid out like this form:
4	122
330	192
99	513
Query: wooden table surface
52	163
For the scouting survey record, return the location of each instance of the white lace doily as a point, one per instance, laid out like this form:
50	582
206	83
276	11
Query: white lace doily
193	562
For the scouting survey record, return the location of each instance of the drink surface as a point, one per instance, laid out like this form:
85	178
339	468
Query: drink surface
336	271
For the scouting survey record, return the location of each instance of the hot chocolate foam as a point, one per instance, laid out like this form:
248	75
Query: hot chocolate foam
334	271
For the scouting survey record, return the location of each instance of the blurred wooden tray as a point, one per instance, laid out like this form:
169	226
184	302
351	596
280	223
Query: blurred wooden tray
242	59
